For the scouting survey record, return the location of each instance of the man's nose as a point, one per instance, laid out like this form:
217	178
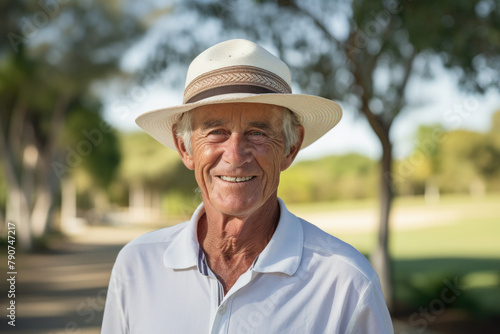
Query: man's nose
237	150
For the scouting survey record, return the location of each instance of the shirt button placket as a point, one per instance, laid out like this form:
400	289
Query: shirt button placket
221	321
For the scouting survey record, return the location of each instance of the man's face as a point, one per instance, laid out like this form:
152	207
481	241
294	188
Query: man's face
237	155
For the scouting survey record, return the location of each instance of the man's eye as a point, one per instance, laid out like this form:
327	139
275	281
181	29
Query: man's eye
256	133
216	132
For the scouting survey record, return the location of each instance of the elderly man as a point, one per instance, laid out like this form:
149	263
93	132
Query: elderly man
243	263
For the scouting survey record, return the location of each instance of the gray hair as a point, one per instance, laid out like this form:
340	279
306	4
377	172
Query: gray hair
291	123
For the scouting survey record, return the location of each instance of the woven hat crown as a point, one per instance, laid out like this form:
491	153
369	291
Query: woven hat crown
236	66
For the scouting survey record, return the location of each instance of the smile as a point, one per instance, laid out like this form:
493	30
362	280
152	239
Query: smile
236	179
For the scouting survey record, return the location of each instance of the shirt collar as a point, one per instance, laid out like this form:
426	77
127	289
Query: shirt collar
282	254
183	251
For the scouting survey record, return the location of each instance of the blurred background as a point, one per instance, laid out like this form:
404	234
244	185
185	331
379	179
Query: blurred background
410	177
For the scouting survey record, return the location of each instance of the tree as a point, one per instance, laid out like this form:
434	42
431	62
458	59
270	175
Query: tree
349	176
92	148
424	163
458	170
362	52
486	155
52	54
452	161
149	168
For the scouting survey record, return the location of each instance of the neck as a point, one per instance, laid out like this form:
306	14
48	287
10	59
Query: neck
231	244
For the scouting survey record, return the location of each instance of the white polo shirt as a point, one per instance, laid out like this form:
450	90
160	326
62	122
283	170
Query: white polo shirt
304	281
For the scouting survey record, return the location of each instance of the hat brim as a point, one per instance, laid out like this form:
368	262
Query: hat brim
316	114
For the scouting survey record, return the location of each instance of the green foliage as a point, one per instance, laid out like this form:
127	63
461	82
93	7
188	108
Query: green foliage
350	176
420	289
26	97
3	190
145	160
459	169
179	204
486	155
95	142
51	55
486	158
453	160
465	34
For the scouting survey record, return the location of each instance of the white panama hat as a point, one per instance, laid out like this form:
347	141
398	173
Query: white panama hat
242	71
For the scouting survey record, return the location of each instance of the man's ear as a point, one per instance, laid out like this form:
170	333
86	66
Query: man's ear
187	158
293	150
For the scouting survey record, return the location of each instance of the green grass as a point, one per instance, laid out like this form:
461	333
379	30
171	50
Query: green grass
451	200
370	203
475	231
463	238
465	249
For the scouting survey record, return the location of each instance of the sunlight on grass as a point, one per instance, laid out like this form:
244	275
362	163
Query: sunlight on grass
333	206
465	249
468	237
464	236
482	279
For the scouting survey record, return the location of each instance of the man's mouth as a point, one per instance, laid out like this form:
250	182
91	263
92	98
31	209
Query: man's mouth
236	179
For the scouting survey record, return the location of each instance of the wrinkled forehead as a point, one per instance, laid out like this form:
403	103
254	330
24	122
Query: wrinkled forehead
265	115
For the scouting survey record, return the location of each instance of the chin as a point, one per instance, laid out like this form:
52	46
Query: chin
237	206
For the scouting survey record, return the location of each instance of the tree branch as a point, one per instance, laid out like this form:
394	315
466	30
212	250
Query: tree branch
8	162
402	87
15	129
291	4
56	123
357	63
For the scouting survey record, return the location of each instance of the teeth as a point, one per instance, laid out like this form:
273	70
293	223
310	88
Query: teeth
236	179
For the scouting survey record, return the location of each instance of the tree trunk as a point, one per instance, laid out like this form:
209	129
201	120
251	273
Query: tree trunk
41	210
18	208
45	193
46	188
69	221
28	175
380	258
431	194
68	200
18	212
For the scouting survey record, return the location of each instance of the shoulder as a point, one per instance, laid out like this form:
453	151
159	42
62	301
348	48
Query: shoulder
335	252
149	243
164	235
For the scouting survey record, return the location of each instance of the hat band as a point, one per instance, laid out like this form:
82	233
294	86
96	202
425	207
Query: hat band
235	79
230	90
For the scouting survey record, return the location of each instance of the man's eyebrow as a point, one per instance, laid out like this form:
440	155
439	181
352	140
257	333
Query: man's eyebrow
210	124
260	125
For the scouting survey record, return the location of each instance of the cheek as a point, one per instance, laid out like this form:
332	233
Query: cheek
272	162
205	159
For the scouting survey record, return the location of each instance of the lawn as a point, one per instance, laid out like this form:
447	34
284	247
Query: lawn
472	231
464	248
